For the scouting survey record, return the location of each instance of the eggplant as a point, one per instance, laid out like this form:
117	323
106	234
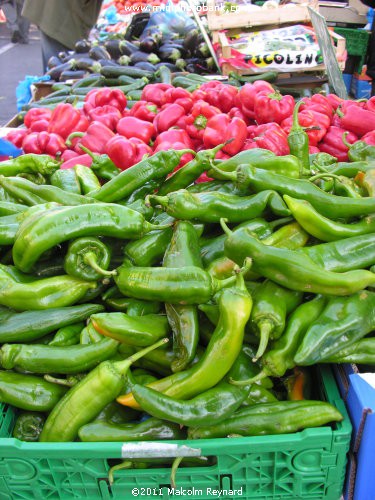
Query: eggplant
149	44
127	48
64	56
98	52
106	62
191	40
168	53
145	65
53	61
203	50
124	60
180	48
88	64
77	74
82	46
113	48
55	72
140	56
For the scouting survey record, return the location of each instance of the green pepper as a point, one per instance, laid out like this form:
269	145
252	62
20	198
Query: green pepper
214	185
10	208
271	305
323	228
29	163
136	331
183	250
29	392
361	352
83	402
71	359
298	141
271	418
102	165
31	325
133	307
331	206
117	414
28	426
87	259
220	354
34	194
357	252
67	335
351	169
291	268
66	223
343	321
158	361
209	407
149	430
45	293
323	161
67	180
87	179
287	165
156	166
366	180
211	206
360	150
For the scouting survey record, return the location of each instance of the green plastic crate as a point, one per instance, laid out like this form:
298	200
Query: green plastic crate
356	41
304	465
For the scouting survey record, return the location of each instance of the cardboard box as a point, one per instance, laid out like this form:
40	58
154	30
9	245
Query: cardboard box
359	394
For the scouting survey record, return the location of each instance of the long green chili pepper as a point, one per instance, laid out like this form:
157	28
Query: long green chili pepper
291	268
32	325
156	166
220	354
68	335
102	165
298	141
271	418
334	207
65	223
88	259
67	180
85	400
71	359
10	208
280	357
361	352
87	179
30	164
132	307
271	305
33	194
136	331
150	430
29	392
211	206
182	251
28	426
343	321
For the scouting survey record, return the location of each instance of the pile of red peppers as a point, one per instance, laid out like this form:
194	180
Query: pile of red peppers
167	117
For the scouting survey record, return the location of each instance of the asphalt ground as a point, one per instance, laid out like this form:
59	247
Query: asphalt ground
16	62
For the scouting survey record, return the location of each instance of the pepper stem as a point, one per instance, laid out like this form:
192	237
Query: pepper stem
175	464
261	375
123	366
346	143
224	227
296	127
158	200
59	381
265	328
91	260
73	135
236	278
124	465
324	175
87	151
230	176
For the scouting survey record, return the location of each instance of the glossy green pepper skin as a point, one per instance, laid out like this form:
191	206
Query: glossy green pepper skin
66	223
37	358
29	164
87	259
67	335
298	141
135	331
149	430
87	180
361	352
292	269
67	180
29	392
271	418
211	206
31	325
323	228
343	321
28	426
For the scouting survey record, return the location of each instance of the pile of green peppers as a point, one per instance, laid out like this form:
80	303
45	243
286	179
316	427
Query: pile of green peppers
139	305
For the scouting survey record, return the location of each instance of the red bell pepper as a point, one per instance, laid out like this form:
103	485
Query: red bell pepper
309	121
196	121
144	111
155	92
129	126
370	104
269	108
220	95
16	136
319	103
141	148
246	96
269	136
333	144
334	100
121	151
44	143
64	120
179	96
71	162
168	117
357	120
95	138
221	128
107	114
313	149
35	115
369	138
174	136
105	96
